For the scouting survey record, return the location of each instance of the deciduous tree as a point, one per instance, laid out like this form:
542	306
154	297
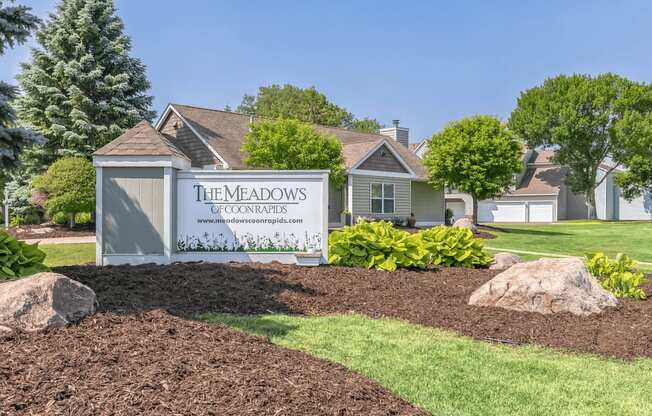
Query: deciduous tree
290	144
70	187
591	122
303	104
476	155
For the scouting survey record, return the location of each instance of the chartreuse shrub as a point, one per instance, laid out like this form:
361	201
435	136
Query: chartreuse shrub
454	246
18	258
376	245
619	276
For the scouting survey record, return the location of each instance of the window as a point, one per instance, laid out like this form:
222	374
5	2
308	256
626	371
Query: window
382	198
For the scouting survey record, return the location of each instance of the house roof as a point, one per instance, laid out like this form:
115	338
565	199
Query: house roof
141	140
541	180
542	157
224	131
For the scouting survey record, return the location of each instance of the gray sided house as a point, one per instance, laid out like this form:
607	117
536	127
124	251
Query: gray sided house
384	178
138	171
541	195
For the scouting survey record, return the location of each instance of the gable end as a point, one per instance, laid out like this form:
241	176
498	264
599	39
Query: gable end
383	160
178	132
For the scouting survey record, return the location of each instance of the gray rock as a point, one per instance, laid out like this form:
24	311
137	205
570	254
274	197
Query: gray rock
44	300
545	286
466	223
504	261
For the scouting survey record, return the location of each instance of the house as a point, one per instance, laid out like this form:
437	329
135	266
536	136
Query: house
384	178
541	195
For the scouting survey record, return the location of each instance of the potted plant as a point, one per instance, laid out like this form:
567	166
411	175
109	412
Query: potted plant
346	217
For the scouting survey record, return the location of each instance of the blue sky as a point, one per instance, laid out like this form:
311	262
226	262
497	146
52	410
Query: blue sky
426	63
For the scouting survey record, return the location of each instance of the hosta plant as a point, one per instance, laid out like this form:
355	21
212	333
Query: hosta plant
454	246
619	276
18	258
376	245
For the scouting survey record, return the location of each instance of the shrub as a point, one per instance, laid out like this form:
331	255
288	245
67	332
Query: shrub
70	185
454	246
18	258
376	245
83	218
619	276
59	218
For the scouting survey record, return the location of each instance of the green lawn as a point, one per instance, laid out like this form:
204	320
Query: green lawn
577	238
449	374
68	254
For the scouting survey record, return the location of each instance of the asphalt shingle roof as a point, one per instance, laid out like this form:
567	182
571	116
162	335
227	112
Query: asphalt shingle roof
141	140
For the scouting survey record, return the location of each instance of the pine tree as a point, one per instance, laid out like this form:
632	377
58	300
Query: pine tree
16	23
82	89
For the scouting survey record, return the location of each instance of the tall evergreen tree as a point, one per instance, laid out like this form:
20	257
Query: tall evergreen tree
16	23
82	89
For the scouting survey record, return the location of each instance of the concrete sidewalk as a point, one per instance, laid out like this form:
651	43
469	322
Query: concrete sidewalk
61	240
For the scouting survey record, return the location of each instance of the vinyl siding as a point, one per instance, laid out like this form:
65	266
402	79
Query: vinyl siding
382	160
132	211
187	142
362	196
427	203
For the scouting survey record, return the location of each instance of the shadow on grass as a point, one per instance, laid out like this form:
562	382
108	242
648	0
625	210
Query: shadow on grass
260	325
523	231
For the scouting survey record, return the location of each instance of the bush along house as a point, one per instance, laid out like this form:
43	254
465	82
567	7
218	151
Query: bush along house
169	192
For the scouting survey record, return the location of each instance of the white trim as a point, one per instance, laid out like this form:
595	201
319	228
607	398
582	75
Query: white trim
349	195
246	174
382	198
392	151
210	148
140	162
324	208
217	257
134	259
383	174
168	184
98	216
419	146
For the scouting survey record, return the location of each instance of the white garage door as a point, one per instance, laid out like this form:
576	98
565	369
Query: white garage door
541	212
457	207
501	211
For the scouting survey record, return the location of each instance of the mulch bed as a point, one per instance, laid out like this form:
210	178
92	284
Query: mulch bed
435	298
25	232
157	364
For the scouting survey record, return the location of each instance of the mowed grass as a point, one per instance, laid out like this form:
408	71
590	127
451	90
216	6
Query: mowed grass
448	374
577	238
68	254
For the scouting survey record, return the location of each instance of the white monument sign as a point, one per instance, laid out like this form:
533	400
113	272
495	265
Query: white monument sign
251	212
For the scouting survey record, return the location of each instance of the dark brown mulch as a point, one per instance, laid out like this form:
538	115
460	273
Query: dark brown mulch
157	364
25	232
436	298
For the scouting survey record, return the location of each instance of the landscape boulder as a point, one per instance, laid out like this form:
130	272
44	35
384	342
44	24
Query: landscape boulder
545	286
504	261
42	301
466	223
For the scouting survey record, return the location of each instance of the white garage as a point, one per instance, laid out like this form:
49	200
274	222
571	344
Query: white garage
516	211
541	212
499	211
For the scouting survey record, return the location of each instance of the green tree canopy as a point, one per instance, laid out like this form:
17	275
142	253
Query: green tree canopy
70	186
303	104
16	23
590	122
476	155
291	144
82	89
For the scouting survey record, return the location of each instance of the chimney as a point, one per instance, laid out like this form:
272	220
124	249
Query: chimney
397	133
